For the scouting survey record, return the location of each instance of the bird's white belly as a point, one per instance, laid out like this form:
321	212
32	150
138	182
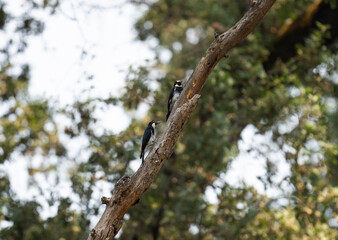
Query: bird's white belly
175	97
152	139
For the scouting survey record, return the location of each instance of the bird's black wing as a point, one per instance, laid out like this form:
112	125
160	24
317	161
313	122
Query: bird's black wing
170	99
145	140
171	95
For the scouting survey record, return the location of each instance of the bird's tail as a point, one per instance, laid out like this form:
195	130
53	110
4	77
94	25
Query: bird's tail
168	114
142	156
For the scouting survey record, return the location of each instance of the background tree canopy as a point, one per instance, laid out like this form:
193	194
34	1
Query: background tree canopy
280	81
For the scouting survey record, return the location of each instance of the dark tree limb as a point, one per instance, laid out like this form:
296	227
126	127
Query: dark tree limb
128	190
296	31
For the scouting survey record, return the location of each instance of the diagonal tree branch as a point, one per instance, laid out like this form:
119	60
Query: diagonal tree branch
128	190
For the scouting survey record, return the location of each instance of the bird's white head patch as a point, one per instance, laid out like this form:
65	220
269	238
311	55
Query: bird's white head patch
178	83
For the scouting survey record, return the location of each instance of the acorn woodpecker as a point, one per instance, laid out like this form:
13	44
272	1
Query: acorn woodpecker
148	138
173	96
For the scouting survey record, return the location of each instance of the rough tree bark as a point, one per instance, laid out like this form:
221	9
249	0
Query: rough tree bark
128	190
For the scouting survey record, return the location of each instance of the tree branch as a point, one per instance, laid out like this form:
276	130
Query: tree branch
128	190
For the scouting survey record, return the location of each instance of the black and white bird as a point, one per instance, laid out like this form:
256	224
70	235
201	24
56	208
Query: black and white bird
173	96
148	138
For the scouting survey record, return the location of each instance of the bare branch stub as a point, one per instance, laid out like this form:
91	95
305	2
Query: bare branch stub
105	200
129	189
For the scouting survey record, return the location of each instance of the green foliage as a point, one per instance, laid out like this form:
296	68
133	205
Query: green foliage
28	225
293	98
27	125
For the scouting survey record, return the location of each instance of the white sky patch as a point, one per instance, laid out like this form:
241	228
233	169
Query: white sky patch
193	229
42	185
248	167
45	182
135	164
177	46
322	69
193	35
18	175
142	110
289	124
210	195
331	104
57	67
5	107
108	117
165	55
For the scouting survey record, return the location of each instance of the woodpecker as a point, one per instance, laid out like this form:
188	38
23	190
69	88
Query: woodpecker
173	96
148	138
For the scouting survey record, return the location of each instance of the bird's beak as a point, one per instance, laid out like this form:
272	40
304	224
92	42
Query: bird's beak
157	122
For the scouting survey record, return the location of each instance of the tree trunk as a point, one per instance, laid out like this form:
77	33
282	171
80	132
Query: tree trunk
128	190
